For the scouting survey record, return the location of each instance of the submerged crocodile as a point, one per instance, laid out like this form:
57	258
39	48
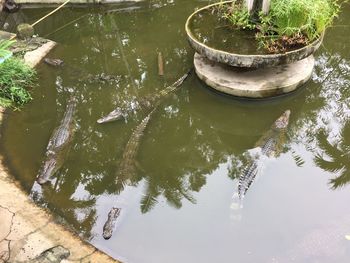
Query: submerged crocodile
145	103
81	75
128	165
55	62
108	227
58	145
270	145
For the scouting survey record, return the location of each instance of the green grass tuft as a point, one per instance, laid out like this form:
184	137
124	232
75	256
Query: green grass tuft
4	46
288	19
309	18
15	80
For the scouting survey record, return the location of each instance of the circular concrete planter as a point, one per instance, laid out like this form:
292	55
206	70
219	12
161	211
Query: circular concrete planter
255	83
241	60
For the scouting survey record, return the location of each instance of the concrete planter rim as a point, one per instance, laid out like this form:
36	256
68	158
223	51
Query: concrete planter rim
247	60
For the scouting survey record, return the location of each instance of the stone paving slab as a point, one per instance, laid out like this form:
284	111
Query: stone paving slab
33	58
5	35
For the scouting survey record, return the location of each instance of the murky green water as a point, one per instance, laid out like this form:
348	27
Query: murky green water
182	206
209	27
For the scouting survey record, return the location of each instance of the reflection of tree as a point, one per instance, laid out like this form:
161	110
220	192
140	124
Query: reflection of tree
168	179
174	192
61	198
335	157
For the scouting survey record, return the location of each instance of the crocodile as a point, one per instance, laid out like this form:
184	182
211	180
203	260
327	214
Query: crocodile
55	62
58	145
128	165
102	77
269	145
81	75
146	103
108	227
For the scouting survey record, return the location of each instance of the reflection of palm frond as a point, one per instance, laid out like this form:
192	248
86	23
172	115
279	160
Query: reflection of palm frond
188	196
196	181
329	166
88	222
148	202
149	199
299	161
119	187
345	135
331	150
338	157
173	198
340	180
83	203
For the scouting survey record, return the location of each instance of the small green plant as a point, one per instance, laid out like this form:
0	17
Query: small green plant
4	46
289	23
310	18
15	79
238	16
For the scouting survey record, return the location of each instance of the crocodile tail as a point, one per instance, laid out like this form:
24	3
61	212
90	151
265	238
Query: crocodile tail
247	178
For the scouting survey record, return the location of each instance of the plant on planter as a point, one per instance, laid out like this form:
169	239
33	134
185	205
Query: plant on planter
5	53
282	25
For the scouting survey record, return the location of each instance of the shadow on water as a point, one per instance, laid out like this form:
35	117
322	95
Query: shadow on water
195	147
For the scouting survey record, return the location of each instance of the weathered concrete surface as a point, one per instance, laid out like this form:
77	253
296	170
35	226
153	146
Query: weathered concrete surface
33	58
254	83
27	230
34	49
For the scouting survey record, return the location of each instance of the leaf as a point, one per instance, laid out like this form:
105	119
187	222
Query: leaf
340	180
329	166
149	199
148	202
299	161
4	45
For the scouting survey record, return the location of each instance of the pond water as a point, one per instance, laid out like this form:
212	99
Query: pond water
182	205
210	28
